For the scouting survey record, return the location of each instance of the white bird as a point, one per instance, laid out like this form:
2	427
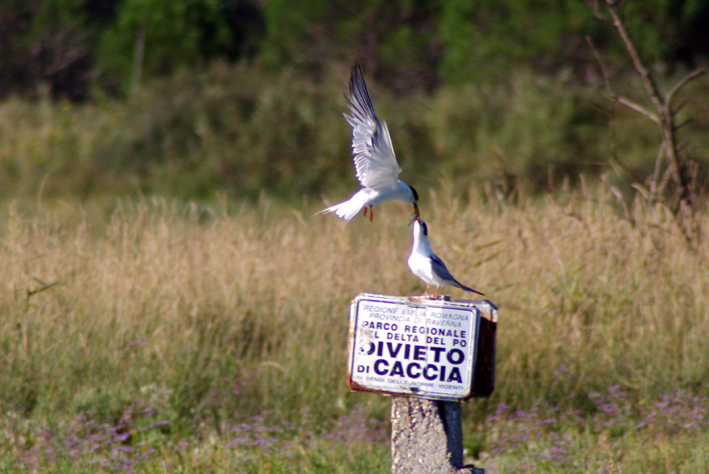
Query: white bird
427	266
373	153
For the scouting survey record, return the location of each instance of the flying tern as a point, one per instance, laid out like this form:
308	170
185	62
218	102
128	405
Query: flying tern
373	153
427	266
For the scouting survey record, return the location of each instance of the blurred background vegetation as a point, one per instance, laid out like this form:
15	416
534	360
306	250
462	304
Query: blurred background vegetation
157	159
192	96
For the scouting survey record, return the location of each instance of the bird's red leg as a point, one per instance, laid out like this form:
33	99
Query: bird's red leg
425	293
371	214
365	211
438	288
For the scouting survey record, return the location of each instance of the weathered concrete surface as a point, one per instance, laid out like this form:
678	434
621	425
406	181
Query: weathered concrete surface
427	437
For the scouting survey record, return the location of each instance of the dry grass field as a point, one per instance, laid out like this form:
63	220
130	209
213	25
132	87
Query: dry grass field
159	336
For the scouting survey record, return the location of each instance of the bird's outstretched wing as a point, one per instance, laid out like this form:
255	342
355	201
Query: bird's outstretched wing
372	150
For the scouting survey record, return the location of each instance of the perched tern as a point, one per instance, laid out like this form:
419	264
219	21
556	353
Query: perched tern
374	159
427	266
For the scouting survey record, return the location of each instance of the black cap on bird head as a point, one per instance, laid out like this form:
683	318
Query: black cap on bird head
413	191
424	227
416	207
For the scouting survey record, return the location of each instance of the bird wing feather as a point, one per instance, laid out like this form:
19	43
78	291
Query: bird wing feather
372	149
439	268
442	271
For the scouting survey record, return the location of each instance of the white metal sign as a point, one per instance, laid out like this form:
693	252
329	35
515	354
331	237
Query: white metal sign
404	345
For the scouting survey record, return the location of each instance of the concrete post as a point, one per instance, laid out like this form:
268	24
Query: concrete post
427	437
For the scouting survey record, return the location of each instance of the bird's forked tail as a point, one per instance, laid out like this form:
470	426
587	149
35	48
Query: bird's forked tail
466	288
345	210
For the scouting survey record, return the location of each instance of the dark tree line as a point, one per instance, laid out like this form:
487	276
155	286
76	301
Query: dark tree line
67	48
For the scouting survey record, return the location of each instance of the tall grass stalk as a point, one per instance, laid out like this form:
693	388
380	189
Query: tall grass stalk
208	316
226	312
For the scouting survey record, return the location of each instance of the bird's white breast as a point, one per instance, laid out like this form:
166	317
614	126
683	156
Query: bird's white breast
422	268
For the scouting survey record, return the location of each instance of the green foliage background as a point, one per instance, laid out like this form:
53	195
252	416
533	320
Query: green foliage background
408	44
242	96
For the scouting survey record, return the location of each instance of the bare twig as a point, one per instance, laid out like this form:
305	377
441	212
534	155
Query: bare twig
681	173
686	122
639	108
648	81
600	64
627	102
656	174
689	77
675	110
